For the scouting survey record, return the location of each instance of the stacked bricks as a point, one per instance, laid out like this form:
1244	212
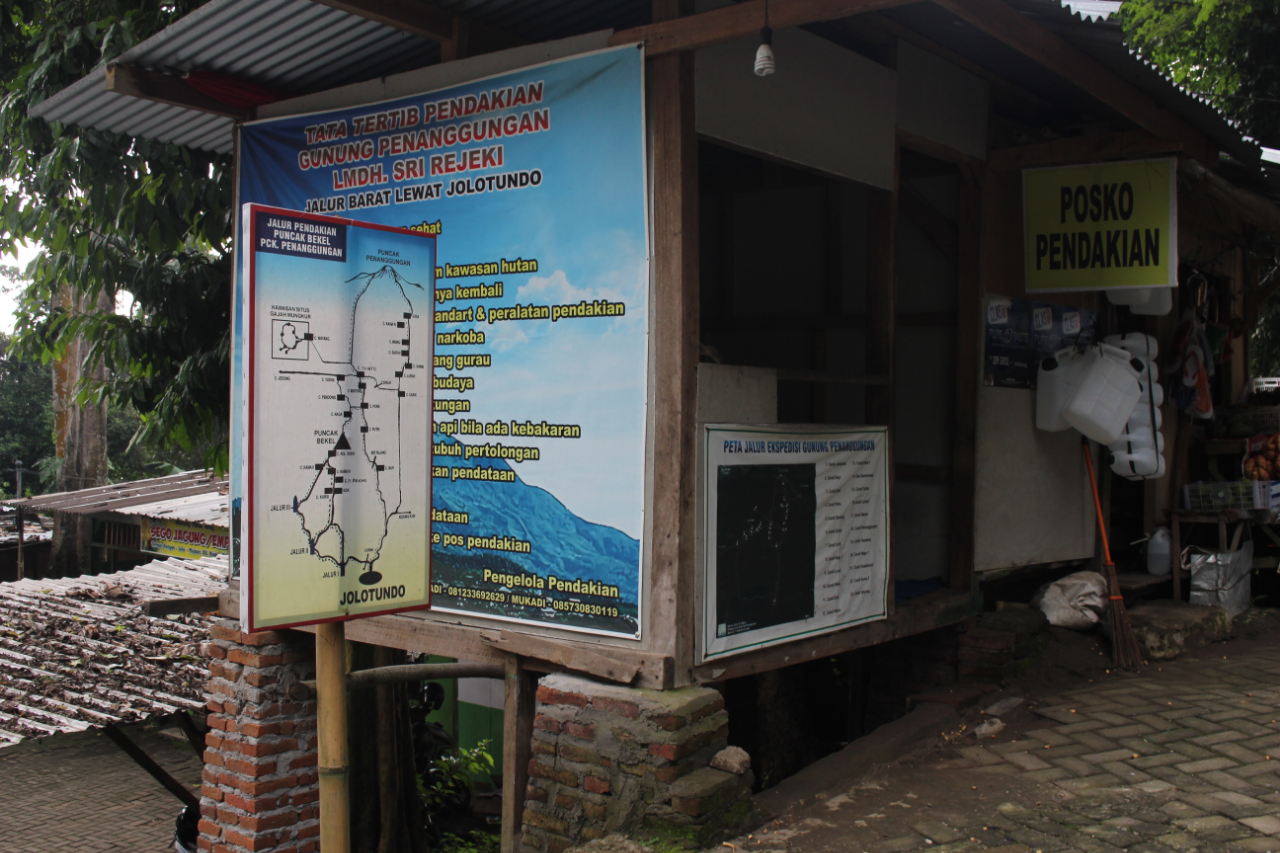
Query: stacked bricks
260	788
615	759
1001	643
953	664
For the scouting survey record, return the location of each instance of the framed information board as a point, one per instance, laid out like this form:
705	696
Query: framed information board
337	352
796	533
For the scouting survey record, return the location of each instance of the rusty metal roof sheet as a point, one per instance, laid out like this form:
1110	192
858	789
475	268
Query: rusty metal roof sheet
211	508
77	652
128	497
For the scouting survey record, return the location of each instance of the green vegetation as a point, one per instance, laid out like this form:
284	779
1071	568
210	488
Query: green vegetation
26	418
116	213
1228	52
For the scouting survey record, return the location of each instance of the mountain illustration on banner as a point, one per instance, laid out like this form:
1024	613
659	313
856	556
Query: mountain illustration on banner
564	546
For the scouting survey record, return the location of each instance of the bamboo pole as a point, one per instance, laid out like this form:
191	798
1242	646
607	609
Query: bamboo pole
331	724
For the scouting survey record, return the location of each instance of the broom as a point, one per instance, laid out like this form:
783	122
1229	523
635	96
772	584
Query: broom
1125	651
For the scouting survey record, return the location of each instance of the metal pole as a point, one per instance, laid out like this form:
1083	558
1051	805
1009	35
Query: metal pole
22	527
331	725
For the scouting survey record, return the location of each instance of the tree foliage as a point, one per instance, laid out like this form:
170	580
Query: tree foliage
1225	50
116	213
26	417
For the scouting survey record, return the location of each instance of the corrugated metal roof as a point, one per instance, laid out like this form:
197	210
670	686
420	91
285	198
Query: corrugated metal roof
77	652
196	486
292	45
302	46
212	508
1101	39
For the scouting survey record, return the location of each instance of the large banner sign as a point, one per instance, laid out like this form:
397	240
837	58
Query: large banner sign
533	183
335	515
797	533
1103	226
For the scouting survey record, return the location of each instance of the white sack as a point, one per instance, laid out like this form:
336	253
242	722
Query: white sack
1076	601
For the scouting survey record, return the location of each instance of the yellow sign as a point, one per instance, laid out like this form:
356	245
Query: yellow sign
189	541
1103	226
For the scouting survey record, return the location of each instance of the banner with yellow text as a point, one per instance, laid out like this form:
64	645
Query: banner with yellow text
179	539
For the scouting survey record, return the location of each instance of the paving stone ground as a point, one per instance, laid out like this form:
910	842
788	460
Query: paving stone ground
1183	756
78	793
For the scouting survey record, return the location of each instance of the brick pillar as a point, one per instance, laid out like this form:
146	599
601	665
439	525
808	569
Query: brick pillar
260	781
616	759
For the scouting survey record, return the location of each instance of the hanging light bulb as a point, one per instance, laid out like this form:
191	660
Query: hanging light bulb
764	53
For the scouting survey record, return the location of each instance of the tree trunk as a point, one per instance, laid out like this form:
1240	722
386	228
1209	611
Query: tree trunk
80	433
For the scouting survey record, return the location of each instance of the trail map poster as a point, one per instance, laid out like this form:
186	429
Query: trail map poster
336	509
533	183
797	533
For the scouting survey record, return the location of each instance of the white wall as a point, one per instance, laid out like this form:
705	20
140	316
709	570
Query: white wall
826	107
941	101
1033	502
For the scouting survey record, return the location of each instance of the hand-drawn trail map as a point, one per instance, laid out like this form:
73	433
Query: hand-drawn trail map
340	383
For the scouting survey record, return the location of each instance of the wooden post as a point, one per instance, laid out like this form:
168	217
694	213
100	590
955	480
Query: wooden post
968	354
675	338
331	725
21	538
882	321
517	732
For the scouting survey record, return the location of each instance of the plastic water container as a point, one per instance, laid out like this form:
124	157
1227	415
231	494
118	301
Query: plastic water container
1137	437
1136	343
1158	551
1106	395
1129	296
1141	416
1143	464
1056	381
1160	303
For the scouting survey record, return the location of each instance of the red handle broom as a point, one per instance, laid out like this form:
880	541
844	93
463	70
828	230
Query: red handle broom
1125	651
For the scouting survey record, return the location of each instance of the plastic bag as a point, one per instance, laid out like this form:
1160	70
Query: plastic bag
1076	601
1223	579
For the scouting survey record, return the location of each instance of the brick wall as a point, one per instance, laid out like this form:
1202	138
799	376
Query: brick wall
615	759
260	781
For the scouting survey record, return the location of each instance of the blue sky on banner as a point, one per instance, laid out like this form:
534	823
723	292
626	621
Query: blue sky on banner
584	223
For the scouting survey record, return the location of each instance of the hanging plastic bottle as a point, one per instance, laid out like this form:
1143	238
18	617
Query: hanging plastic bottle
1056	381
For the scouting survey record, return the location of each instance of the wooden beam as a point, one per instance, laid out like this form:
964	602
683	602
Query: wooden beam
429	22
1258	209
739	20
147	763
1005	23
1095	148
166	89
882	322
936	150
675	337
964	454
204	604
568	657
935	610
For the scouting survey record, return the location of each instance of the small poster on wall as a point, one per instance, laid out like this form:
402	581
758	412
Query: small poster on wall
1020	333
797	533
